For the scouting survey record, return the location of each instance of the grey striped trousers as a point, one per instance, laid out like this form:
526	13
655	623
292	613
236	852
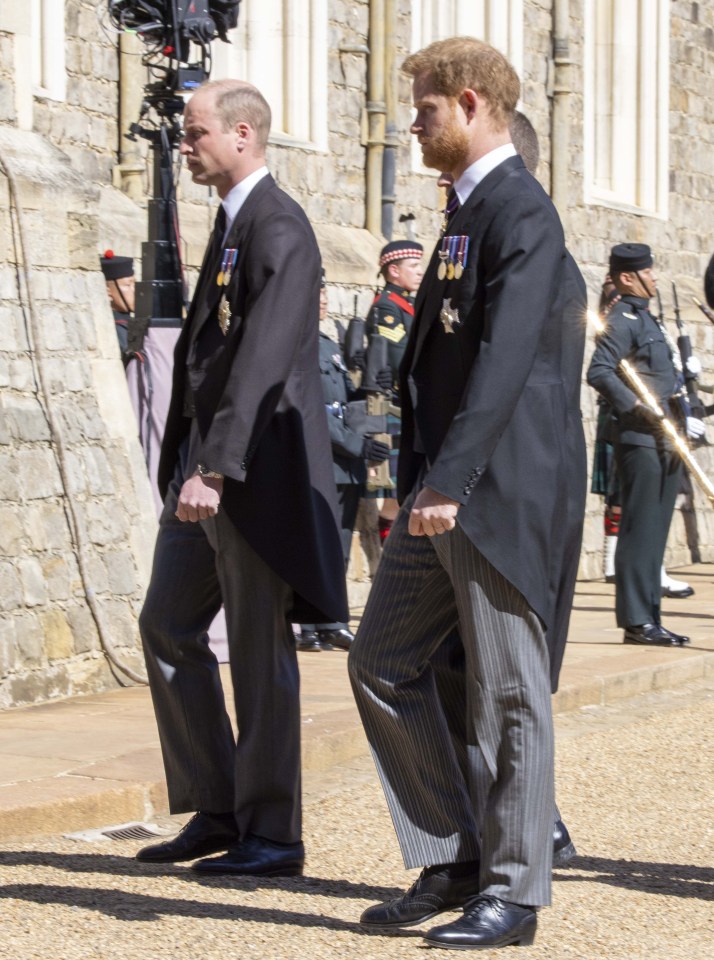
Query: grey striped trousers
491	798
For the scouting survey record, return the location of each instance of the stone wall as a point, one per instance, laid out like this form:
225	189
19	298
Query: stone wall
66	443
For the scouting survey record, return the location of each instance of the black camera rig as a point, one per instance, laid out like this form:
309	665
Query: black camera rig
178	36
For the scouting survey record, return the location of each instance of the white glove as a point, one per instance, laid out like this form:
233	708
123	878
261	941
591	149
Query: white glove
694	366
695	428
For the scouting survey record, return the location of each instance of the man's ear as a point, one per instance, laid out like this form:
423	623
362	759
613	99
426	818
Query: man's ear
243	130
626	278
469	101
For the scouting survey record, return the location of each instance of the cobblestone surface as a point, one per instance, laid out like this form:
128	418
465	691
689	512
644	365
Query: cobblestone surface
634	785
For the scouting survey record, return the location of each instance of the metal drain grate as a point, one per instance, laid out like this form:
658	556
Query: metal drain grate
133	831
122	831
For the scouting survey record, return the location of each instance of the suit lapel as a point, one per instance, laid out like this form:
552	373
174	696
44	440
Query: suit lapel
208	292
465	221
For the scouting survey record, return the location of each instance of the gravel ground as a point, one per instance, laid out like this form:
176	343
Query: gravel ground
635	785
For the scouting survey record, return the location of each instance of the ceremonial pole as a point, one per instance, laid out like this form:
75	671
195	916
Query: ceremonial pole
646	396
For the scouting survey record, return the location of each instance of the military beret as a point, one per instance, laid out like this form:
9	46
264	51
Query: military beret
115	268
400	250
709	283
630	256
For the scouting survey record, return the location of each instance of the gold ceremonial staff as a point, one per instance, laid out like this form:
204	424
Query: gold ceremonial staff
643	392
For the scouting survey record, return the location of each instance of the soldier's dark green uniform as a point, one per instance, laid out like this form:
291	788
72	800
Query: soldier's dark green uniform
392	315
648	468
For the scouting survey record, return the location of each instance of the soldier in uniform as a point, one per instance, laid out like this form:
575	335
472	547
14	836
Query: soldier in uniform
350	451
649	469
119	275
391	316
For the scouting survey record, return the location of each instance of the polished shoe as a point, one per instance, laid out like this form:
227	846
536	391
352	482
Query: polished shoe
430	894
257	857
342	638
610	578
653	634
563	847
487	922
203	834
678	593
308	642
679	639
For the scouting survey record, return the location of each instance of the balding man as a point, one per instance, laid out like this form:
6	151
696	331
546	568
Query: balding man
249	515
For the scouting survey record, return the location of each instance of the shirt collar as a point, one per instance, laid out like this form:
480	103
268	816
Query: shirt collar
473	175
237	195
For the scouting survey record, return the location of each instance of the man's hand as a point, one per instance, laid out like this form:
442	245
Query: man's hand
695	428
432	513
375	451
694	366
199	498
384	379
647	414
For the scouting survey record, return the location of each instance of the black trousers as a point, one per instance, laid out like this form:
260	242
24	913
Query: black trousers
649	482
257	774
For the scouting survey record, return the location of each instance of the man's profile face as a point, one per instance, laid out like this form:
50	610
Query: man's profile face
211	152
121	294
439	126
407	273
642	283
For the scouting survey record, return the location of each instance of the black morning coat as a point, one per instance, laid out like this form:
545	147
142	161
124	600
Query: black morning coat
490	411
259	404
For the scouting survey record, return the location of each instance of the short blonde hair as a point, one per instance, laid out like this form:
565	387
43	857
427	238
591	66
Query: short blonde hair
461	63
238	101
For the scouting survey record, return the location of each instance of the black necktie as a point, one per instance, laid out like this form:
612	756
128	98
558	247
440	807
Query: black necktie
219	229
452	205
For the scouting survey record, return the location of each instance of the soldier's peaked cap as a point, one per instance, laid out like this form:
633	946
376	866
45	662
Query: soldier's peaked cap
400	250
630	256
115	268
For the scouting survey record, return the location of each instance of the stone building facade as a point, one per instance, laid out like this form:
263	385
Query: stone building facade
76	517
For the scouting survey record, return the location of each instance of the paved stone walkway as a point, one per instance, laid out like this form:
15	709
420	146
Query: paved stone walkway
95	761
635	787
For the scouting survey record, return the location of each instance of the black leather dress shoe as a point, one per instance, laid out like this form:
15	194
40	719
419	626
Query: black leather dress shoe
487	922
654	635
678	594
203	834
308	642
677	638
336	638
429	895
257	857
563	847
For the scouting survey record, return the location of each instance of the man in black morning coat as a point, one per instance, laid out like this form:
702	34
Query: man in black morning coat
483	473
250	512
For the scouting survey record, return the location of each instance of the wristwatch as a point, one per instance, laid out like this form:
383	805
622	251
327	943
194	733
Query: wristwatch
203	471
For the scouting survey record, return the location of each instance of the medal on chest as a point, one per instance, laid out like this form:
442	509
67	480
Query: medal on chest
228	262
453	256
449	316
